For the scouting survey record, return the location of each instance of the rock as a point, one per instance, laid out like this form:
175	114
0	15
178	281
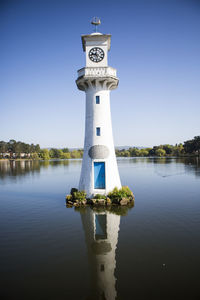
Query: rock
73	190
108	201
89	201
76	204
94	201
124	201
70	202
102	202
131	198
83	202
68	198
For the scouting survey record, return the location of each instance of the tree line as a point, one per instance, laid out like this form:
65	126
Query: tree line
190	147
13	150
60	153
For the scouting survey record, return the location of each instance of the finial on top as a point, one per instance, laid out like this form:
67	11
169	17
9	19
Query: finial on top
95	21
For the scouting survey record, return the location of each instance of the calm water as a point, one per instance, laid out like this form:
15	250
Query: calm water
152	251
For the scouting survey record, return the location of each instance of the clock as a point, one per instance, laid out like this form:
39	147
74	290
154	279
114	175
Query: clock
96	54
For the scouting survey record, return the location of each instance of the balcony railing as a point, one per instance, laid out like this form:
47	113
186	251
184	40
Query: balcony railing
99	72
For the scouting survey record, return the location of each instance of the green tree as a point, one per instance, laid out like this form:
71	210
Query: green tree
44	154
66	155
160	152
3	147
192	146
55	153
134	152
178	150
34	155
197	144
168	149
143	152
37	148
11	147
75	154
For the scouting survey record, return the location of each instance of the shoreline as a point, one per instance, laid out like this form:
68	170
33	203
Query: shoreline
126	157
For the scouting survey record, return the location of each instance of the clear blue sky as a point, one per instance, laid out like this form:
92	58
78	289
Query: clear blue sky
155	48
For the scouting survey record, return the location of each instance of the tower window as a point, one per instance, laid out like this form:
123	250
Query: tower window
97	99
98	131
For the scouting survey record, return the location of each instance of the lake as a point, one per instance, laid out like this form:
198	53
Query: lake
151	251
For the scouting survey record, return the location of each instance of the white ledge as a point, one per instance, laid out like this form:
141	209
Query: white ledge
97	72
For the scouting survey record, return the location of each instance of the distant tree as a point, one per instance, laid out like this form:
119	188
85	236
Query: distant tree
55	153
34	155
18	149
189	146
134	151
32	148
75	154
37	148
192	146
143	152
178	150
11	147
168	149
65	150
44	154
197	144
3	147
126	153
66	155
160	152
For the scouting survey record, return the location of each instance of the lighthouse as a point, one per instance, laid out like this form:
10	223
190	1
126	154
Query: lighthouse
99	172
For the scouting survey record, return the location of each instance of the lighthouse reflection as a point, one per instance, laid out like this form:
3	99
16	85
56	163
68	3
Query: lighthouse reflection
101	229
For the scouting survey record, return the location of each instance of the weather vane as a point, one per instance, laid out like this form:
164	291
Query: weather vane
95	21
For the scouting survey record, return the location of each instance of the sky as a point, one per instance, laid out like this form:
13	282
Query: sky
155	47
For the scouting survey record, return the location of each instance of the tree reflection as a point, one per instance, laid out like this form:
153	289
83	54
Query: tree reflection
191	164
17	169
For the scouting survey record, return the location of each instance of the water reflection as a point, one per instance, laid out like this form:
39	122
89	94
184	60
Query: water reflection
23	168
185	164
18	169
101	228
101	235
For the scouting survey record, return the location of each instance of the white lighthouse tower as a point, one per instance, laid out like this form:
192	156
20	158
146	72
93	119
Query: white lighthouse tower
99	173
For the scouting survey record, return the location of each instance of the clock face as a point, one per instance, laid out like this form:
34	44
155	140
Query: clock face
96	54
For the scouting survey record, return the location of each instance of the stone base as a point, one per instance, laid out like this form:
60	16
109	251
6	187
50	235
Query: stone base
78	199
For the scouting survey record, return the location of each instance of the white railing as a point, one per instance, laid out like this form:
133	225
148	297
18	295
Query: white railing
99	72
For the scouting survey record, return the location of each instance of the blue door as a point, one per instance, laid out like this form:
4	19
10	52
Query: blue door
99	175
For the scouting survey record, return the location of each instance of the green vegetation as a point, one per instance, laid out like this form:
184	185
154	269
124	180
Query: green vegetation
78	195
123	197
99	196
76	198
44	154
15	150
118	194
189	148
18	150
